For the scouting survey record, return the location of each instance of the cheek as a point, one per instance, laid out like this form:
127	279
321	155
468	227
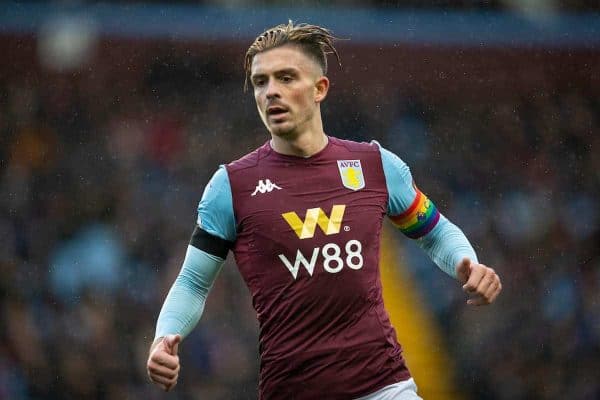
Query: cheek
303	98
259	100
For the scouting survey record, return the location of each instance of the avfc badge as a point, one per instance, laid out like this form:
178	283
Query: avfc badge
351	174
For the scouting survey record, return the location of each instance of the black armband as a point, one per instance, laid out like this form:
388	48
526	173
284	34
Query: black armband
210	244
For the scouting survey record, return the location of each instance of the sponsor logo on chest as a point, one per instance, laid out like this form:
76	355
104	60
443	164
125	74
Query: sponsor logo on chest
330	225
331	256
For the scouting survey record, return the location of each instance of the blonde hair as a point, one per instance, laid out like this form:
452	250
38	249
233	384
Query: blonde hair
313	40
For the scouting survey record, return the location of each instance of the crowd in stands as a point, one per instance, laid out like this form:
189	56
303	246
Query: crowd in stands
99	184
468	5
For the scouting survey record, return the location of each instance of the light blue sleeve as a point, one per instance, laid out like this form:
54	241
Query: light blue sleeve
445	244
215	211
184	304
399	182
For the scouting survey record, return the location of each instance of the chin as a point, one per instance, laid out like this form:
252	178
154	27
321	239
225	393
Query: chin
282	130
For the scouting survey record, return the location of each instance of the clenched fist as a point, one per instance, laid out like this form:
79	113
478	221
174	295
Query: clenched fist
480	282
163	362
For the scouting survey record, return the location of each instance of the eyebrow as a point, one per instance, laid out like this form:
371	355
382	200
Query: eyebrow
283	71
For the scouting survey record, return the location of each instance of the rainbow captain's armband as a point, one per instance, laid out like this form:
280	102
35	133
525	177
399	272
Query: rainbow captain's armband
419	219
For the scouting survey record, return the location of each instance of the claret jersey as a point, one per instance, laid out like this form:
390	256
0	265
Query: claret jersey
305	233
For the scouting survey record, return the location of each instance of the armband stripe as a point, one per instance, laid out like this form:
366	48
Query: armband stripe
416	202
210	244
419	219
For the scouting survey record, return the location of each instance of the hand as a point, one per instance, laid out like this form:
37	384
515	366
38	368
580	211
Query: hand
480	282
163	362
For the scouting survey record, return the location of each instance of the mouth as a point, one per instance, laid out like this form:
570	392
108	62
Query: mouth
276	112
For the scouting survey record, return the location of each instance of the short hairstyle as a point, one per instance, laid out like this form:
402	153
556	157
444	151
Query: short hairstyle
315	41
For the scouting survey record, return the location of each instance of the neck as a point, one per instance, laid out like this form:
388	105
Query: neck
303	145
309	140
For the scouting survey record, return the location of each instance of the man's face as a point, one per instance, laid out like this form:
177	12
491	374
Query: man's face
285	88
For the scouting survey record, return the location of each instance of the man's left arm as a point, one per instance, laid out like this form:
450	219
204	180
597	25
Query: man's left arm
418	218
449	248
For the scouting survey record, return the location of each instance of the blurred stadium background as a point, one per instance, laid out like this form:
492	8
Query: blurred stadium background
114	115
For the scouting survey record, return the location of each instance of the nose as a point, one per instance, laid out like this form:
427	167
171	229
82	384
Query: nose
272	89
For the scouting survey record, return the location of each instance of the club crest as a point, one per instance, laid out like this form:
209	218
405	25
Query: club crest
351	174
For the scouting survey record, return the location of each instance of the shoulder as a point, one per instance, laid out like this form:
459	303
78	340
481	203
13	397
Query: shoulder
353	146
389	157
249	160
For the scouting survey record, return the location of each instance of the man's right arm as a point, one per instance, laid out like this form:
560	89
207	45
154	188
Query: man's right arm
212	238
180	313
184	304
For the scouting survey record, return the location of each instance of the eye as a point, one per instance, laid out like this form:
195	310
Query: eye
286	79
259	82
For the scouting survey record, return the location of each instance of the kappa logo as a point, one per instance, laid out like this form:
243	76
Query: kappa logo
265	187
316	216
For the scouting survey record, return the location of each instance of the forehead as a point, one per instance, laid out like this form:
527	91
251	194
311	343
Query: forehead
283	57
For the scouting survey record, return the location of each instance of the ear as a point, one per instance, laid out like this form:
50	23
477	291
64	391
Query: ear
321	89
